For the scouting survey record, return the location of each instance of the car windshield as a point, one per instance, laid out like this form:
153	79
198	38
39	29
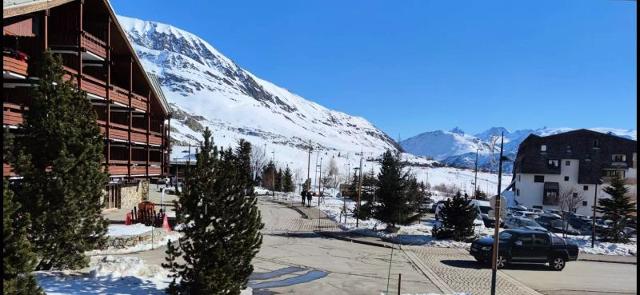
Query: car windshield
485	209
526	222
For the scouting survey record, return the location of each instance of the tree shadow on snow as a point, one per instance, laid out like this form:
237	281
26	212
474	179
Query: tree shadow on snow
86	284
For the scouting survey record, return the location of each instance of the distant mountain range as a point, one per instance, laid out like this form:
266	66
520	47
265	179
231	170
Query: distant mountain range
458	149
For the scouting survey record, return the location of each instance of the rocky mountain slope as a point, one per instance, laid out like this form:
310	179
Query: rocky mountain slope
205	88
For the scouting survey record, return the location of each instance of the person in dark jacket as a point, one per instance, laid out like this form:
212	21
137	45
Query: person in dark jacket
304	196
308	199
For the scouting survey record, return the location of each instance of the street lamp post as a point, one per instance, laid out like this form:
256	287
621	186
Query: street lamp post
496	226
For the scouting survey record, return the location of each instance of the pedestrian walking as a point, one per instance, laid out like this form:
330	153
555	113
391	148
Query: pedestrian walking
309	199
304	196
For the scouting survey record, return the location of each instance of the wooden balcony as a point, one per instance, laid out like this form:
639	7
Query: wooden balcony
155	139
115	169
119	95
12	114
7	170
90	84
93	44
14	66
139	102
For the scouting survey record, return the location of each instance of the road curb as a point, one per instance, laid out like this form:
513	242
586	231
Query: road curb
370	243
608	261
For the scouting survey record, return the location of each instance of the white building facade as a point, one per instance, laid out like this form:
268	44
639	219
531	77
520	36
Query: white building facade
547	169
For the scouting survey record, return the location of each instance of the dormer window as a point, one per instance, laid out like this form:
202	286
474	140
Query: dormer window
619	158
543	148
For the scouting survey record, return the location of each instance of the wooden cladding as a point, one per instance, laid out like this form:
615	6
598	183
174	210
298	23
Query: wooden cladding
14	65
12	114
93	44
119	95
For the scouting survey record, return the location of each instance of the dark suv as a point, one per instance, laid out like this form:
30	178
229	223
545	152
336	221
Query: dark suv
526	246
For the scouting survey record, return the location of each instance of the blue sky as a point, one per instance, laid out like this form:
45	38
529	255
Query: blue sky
413	66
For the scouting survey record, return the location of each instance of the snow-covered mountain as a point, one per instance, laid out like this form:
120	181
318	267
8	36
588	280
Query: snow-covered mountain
458	149
205	88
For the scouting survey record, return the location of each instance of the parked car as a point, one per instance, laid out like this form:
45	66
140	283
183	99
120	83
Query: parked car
484	207
526	246
537	211
435	205
521	222
553	211
525	214
555	225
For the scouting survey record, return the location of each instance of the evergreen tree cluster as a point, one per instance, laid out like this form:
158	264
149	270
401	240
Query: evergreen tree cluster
222	232
58	153
276	179
458	215
618	208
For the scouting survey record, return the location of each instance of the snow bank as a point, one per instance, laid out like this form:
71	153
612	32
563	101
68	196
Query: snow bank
118	230
110	275
107	275
604	248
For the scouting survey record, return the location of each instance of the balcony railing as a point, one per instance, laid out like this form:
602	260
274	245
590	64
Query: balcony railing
94	44
14	65
139	102
119	95
13	114
90	84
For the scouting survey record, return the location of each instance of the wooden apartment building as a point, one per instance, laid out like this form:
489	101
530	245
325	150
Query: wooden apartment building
132	112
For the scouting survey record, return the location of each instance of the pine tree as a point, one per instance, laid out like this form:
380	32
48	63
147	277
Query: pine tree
18	258
458	215
222	234
395	193
59	156
278	183
618	209
287	181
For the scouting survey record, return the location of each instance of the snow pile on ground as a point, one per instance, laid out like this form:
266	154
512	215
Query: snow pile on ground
107	275
604	248
118	230
110	275
172	236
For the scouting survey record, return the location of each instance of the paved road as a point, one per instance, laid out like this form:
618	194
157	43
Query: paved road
579	277
293	259
316	265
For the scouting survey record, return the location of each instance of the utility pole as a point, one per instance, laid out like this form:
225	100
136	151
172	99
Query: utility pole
475	180
593	219
496	231
359	188
309	167
273	175
319	180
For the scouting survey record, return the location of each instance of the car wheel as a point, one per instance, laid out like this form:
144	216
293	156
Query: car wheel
501	262
557	263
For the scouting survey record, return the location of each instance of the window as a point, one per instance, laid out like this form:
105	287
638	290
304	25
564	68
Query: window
575	195
619	158
541	240
567	163
553	163
613	173
584	203
569	149
586	188
517	192
538	178
566	178
596	144
543	148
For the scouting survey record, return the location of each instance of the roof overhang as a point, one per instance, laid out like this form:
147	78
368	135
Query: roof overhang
11	8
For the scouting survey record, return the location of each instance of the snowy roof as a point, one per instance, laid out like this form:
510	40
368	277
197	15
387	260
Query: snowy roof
12	8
